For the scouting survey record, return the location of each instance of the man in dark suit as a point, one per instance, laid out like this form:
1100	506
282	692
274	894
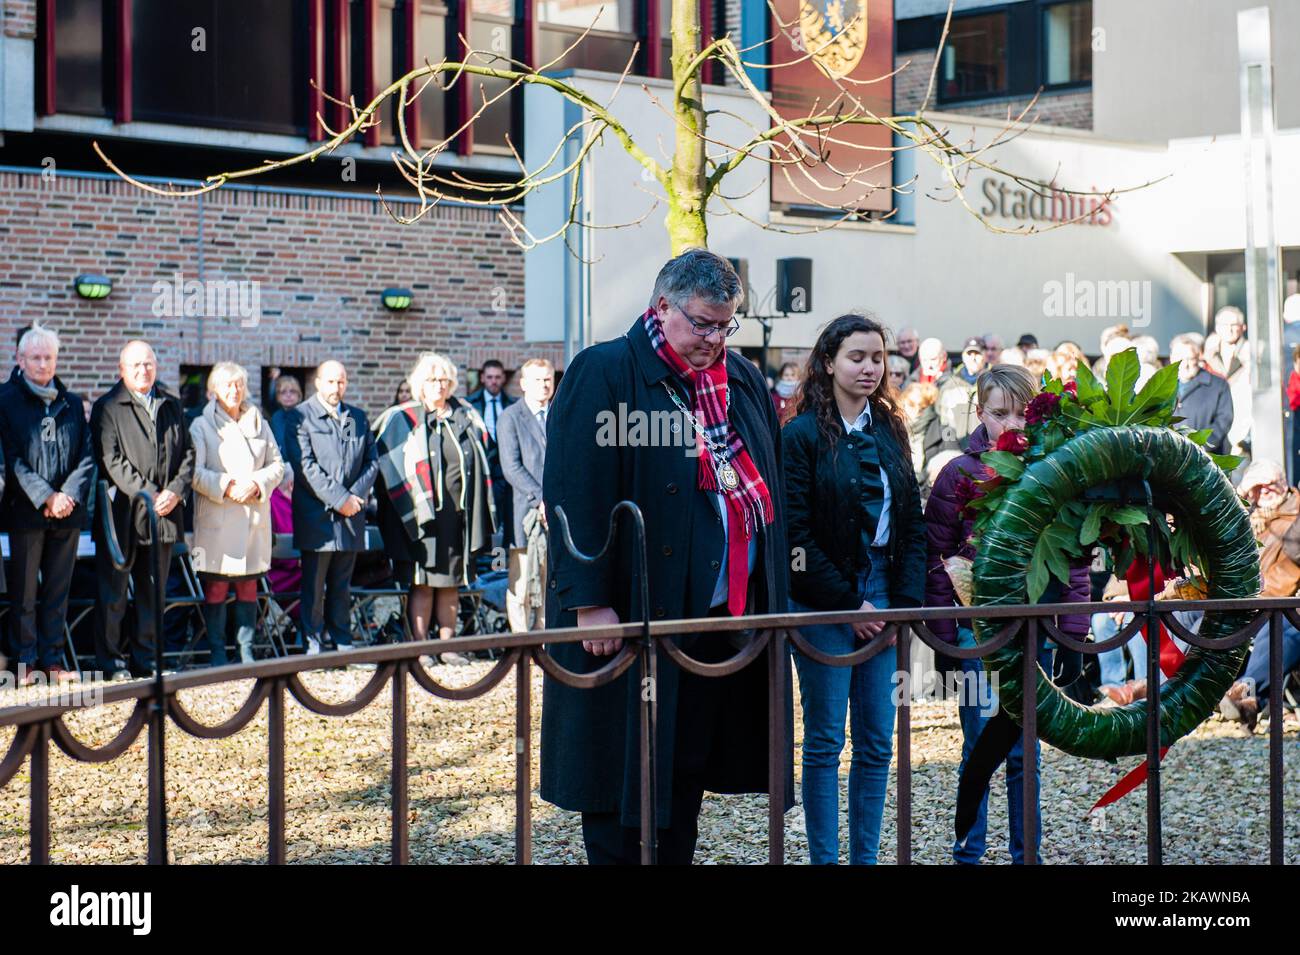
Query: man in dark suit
1204	399
521	436
141	444
491	401
715	539
335	462
48	449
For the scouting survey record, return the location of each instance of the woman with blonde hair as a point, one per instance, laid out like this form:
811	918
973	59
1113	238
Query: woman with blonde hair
435	506
237	465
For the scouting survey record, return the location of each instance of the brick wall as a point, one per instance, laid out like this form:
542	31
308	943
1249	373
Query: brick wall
321	262
1071	109
20	18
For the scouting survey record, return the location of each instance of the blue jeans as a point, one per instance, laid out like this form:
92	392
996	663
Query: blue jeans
1257	665
1113	670
865	694
973	716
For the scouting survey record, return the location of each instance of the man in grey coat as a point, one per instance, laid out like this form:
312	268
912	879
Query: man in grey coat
521	436
334	460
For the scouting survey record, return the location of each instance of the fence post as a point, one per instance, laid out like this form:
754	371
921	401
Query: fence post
904	729
1029	744
776	745
1276	678
524	759
401	851
275	773
40	790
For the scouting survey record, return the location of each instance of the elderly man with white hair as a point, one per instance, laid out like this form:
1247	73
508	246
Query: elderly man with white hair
1204	400
1231	355
1274	509
51	469
931	364
141	444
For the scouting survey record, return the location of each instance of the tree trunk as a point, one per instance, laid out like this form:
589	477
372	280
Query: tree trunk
686	222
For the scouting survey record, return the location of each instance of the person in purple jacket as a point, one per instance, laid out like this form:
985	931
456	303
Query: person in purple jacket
1001	394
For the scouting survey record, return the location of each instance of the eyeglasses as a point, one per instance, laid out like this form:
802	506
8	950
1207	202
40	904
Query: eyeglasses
706	329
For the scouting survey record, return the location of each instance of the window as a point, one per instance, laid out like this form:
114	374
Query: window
975	57
79	57
608	47
610	16
431	45
1067	43
712	25
492	32
246	69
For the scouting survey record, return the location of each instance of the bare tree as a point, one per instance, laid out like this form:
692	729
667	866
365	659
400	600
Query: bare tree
809	152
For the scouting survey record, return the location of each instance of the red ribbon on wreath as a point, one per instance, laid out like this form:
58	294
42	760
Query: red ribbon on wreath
1171	658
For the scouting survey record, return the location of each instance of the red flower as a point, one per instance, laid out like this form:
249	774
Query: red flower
1013	441
1072	389
965	492
1042	407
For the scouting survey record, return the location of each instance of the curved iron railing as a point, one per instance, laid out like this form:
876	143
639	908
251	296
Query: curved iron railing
157	700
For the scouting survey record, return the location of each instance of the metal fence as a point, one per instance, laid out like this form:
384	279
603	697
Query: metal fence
157	703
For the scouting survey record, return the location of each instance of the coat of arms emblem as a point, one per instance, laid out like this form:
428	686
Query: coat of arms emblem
834	32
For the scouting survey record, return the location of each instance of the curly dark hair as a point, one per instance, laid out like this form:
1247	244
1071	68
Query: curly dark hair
817	394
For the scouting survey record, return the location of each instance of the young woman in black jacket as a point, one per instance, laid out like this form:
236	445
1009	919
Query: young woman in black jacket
857	539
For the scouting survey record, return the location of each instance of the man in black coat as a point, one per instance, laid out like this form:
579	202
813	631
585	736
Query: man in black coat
141	443
712	732
490	401
332	452
1204	399
47	446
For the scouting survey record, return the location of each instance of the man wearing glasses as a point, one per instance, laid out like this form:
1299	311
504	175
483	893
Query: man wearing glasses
712	497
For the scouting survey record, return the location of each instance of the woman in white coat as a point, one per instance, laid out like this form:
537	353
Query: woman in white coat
237	465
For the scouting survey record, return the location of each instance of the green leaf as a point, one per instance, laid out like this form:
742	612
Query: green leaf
1199	437
1159	391
1121	376
1004	463
1089	388
1036	576
1228	462
1128	516
1091	528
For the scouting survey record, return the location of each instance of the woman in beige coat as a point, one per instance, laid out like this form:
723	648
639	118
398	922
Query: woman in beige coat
236	467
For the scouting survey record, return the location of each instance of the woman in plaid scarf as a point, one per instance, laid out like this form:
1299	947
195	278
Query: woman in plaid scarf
435	500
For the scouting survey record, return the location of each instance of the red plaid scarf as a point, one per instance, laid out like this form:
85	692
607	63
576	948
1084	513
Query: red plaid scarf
750	502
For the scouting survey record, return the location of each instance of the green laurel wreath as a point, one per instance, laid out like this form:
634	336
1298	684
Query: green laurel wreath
1030	522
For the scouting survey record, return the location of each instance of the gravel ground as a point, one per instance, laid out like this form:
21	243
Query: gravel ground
461	759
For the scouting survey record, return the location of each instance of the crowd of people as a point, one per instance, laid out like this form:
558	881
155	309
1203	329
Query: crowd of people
937	394
836	487
233	479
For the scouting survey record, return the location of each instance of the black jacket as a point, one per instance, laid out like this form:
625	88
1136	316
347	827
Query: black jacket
134	454
1207	403
478	400
41	459
331	460
822	511
590	756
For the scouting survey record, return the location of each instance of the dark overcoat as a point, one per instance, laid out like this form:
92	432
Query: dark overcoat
331	459
136	453
43	459
590	758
